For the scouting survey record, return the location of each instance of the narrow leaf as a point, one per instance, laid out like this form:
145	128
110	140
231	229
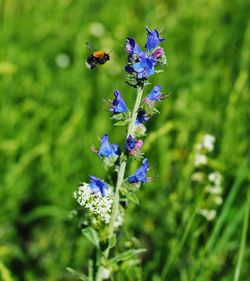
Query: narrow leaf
126	255
132	197
79	275
121	123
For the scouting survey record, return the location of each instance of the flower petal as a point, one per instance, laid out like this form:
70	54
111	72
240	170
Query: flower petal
153	39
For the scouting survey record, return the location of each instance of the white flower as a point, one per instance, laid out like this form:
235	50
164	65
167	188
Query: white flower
213	189
211	215
96	204
200	159
218	200
105	273
208	142
83	194
215	178
198	177
208	214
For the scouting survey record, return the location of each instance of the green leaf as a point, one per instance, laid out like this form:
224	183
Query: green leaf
118	117
156	111
112	242
123	190
126	255
92	235
121	122
132	197
79	275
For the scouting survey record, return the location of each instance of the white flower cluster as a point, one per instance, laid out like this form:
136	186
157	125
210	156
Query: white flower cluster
96	204
214	191
206	145
210	183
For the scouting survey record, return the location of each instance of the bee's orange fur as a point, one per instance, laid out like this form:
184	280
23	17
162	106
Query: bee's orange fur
99	54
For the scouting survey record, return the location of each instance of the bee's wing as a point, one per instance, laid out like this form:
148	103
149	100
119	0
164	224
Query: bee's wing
90	46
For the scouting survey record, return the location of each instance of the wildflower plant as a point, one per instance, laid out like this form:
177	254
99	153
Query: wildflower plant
101	203
208	179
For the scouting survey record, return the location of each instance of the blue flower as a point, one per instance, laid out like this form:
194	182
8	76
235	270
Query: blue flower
132	145
140	173
153	39
145	66
118	104
141	64
141	117
98	185
154	95
129	69
107	149
132	47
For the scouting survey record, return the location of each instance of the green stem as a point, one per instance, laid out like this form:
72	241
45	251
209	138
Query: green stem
243	240
121	171
120	178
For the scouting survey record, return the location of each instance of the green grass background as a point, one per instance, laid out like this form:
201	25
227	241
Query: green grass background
50	117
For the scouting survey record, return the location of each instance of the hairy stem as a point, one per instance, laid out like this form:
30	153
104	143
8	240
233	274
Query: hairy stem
120	178
122	168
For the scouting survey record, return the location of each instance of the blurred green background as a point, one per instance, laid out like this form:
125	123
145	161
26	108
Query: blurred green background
53	110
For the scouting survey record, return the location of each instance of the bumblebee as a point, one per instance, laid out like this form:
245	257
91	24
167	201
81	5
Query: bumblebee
97	57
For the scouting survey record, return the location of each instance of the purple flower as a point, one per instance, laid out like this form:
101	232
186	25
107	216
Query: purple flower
132	145
107	149
145	66
154	95
159	52
98	185
140	173
141	117
118	104
132	47
153	39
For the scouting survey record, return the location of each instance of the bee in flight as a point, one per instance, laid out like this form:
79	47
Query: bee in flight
97	57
